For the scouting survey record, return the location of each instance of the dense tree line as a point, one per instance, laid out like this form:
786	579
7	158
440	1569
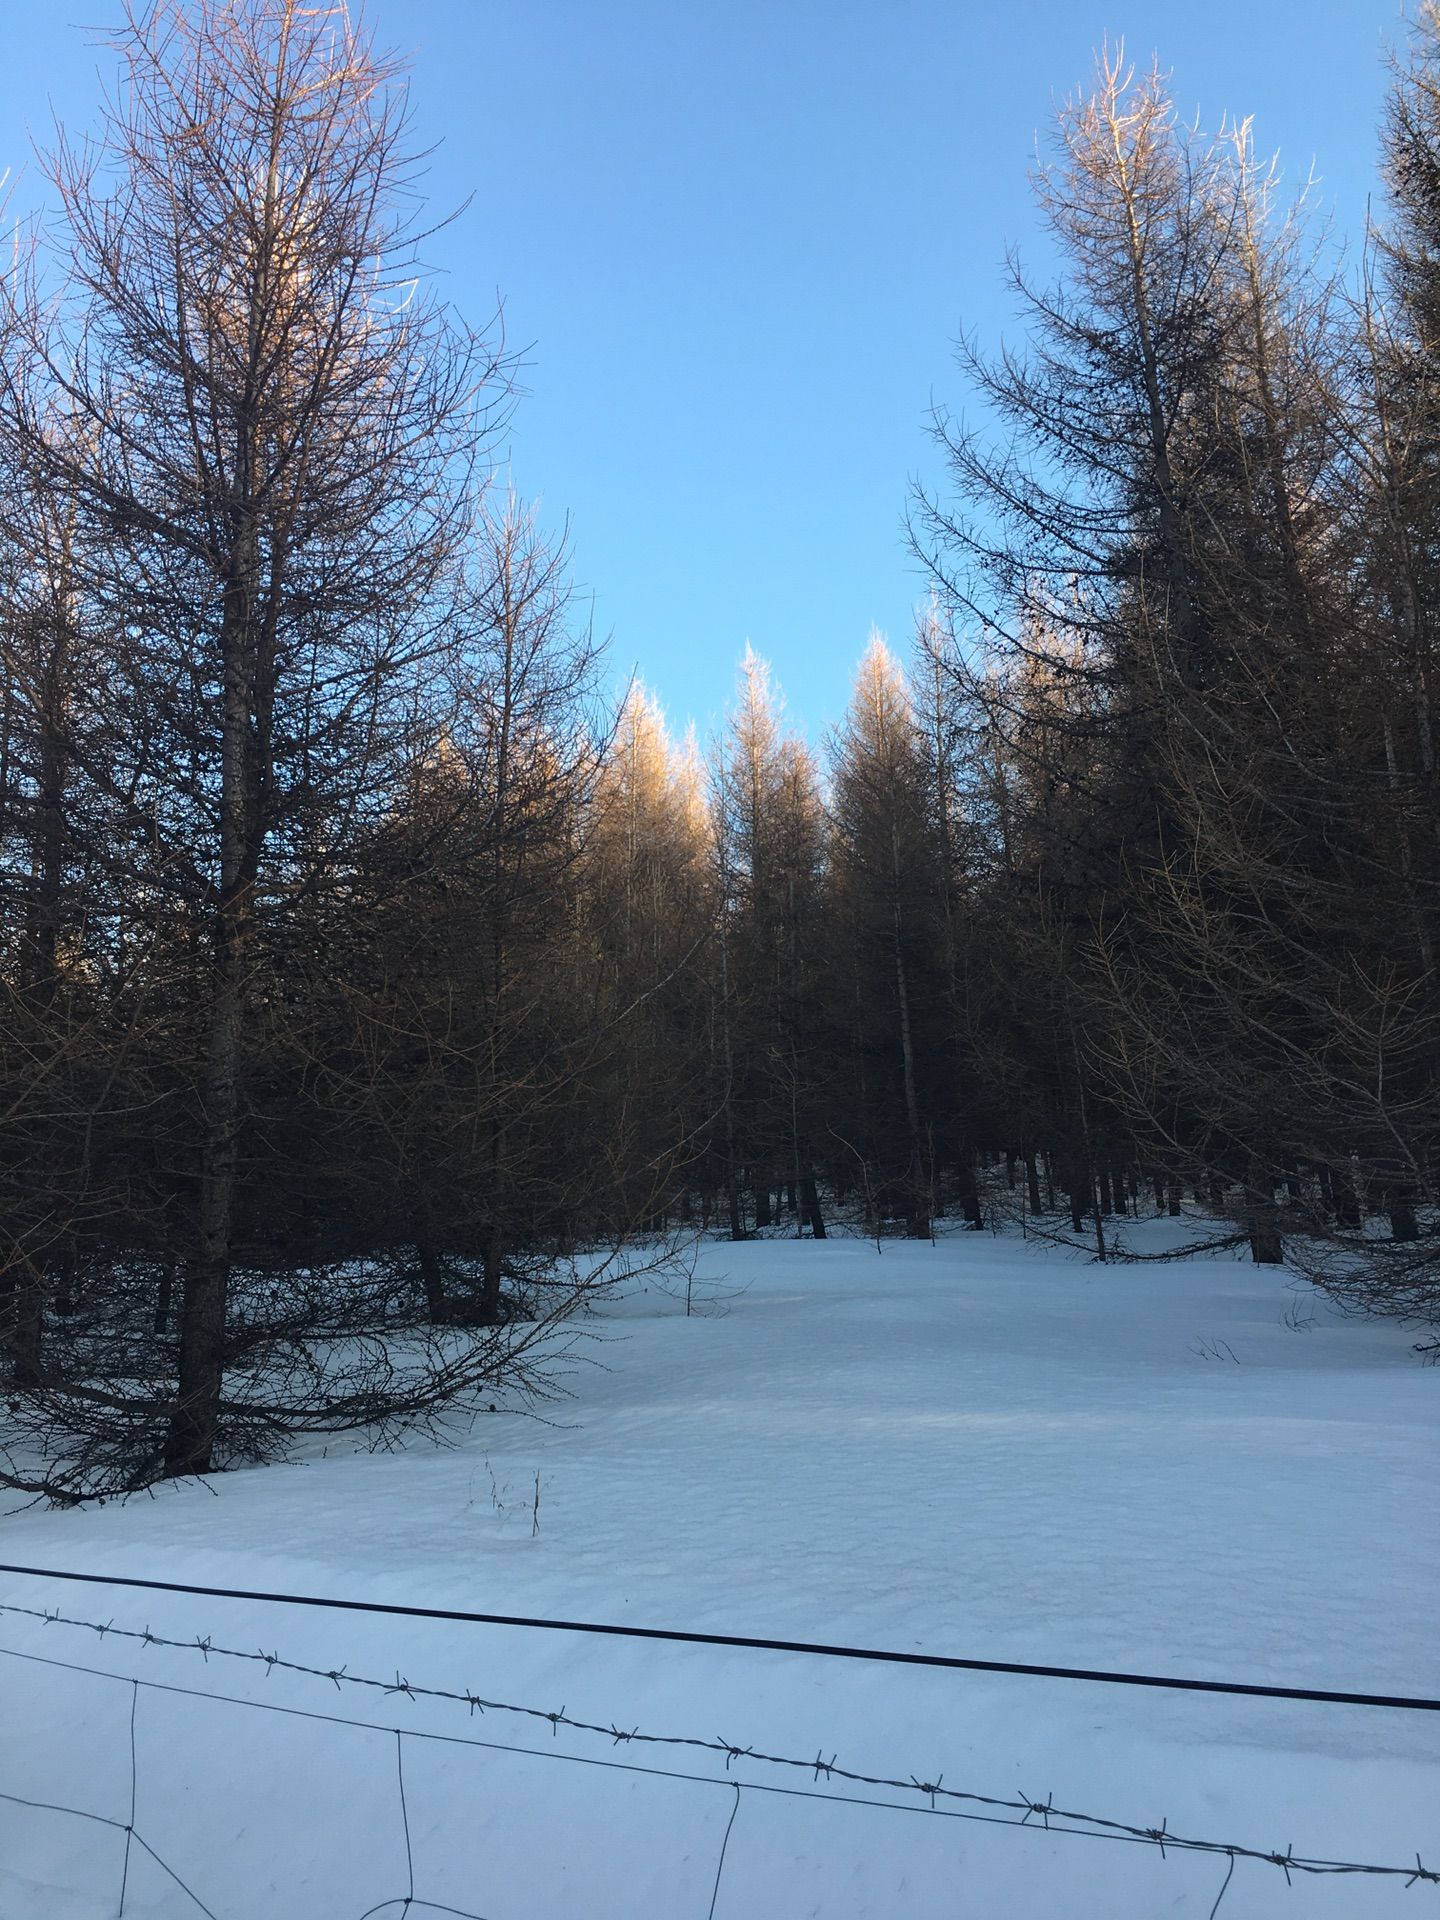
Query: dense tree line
299	747
1130	879
1192	618
367	983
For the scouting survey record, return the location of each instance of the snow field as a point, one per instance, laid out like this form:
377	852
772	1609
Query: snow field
985	1447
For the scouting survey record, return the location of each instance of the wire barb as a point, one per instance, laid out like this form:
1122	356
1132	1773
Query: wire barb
930	1791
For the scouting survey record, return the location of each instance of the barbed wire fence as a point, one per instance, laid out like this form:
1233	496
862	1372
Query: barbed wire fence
924	1796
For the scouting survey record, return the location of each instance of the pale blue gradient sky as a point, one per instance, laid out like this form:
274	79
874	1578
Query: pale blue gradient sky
738	241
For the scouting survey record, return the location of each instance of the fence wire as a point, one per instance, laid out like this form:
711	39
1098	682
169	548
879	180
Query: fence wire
674	1636
922	1794
133	1836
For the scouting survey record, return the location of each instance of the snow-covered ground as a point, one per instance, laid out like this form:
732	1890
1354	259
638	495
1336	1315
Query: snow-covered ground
984	1448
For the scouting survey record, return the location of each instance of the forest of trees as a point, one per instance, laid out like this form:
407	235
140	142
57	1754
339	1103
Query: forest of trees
367	980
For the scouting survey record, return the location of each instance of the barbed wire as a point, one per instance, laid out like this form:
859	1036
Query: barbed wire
927	1794
412	1902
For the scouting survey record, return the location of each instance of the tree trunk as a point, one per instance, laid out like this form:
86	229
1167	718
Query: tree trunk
732	1178
918	1209
1032	1181
24	1293
810	1203
1345	1200
22	1324
190	1440
1403	1223
970	1195
1262	1222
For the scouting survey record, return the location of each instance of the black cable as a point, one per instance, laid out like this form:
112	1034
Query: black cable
1400	1702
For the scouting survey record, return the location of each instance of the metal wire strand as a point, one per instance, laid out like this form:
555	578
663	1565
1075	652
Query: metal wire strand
926	1793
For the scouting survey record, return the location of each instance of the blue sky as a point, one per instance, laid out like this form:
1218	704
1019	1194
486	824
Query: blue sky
738	241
